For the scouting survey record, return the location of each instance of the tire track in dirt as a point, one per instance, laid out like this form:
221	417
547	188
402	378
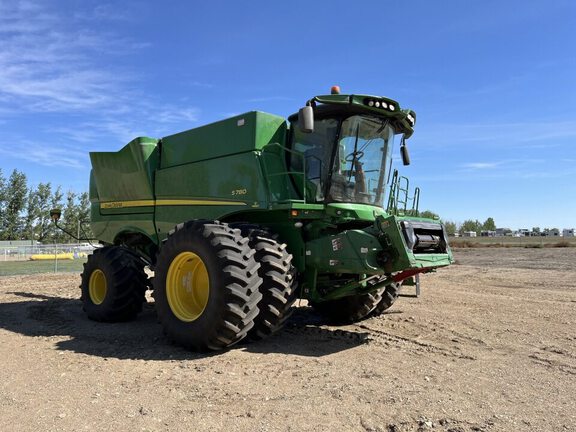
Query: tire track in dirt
381	337
325	333
557	358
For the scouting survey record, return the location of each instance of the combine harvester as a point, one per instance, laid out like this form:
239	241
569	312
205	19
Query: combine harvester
239	218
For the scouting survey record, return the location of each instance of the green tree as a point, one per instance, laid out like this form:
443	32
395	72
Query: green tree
429	214
53	234
84	214
56	198
450	227
76	216
37	223
471	225
43	226
70	216
25	212
489	225
16	192
31	215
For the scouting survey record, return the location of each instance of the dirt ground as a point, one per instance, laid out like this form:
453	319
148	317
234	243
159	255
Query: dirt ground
490	345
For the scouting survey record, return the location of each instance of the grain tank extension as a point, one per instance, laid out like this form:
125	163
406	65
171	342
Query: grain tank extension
240	217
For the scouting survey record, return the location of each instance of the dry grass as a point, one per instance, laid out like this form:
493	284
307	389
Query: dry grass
506	242
561	244
9	268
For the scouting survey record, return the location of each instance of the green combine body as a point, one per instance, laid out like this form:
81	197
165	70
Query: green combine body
240	217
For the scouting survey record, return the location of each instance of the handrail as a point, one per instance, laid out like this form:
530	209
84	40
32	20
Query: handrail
400	197
416	201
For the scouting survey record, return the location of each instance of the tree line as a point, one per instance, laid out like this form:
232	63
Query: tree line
25	210
468	225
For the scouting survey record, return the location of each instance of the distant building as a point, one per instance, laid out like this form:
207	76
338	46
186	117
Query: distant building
488	234
552	232
469	234
568	232
502	232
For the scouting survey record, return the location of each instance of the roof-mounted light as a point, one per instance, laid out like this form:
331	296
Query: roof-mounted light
375	103
411	118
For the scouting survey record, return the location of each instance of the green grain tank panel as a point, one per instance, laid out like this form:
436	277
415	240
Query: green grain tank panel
213	171
128	174
240	134
210	188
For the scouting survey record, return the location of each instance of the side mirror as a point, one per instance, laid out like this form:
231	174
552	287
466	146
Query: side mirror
55	215
306	119
405	154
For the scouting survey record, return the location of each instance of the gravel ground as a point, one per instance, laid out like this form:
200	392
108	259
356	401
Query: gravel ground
490	345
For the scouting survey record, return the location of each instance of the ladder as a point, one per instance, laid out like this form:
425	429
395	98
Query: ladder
399	197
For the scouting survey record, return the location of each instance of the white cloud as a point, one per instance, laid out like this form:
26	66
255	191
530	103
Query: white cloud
104	12
511	169
46	63
533	134
170	114
52	63
199	84
481	165
47	154
166	118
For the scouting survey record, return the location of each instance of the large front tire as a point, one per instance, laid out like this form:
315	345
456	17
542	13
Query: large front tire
113	284
206	286
279	286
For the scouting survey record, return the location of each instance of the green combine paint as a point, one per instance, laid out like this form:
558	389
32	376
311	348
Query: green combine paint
304	207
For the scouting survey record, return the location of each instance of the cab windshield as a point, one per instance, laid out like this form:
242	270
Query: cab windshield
345	160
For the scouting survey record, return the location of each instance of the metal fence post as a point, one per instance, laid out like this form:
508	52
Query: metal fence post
55	259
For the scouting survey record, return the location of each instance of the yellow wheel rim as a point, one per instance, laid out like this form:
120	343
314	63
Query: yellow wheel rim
187	286
97	287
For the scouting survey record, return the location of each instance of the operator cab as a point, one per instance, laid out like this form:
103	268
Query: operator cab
347	157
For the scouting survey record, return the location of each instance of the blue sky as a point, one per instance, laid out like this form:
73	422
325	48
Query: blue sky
493	84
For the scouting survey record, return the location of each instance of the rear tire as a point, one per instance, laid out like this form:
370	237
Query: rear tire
279	286
113	284
206	286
